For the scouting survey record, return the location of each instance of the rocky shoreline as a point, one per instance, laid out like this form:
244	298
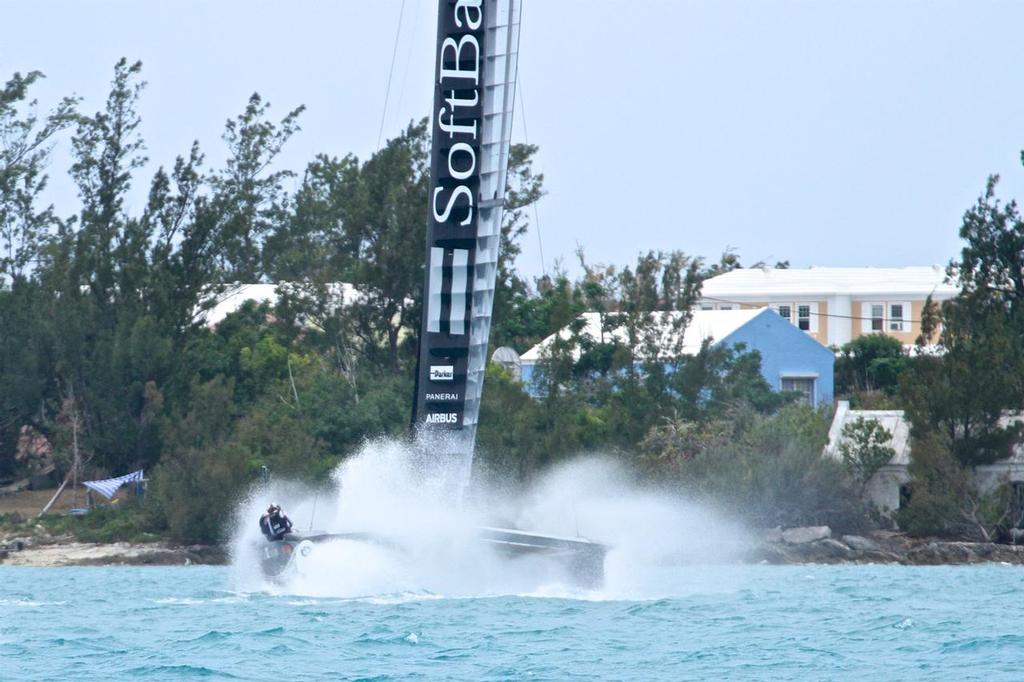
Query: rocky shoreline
806	545
66	551
818	545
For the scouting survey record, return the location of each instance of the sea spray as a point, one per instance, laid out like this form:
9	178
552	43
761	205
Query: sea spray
397	491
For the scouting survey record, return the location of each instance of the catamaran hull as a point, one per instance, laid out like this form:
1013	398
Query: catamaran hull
582	559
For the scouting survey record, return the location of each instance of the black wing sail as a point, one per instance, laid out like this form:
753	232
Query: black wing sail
474	91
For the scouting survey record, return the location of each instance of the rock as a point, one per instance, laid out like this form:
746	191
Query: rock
832	547
935	553
860	543
882	557
772	534
776	554
805	534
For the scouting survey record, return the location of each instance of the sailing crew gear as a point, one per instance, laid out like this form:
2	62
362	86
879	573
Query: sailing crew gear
275	523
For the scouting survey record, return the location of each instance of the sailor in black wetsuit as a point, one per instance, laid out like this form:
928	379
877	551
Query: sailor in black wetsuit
275	523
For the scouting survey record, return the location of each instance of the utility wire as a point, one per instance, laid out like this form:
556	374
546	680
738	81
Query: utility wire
391	73
408	57
836	315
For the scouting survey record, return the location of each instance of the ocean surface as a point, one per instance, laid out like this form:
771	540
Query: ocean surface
733	622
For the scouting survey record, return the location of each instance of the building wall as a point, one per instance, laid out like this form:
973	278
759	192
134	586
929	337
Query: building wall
839	317
787	352
820	313
883	490
906	337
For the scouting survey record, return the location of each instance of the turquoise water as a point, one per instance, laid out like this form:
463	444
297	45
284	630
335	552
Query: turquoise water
726	622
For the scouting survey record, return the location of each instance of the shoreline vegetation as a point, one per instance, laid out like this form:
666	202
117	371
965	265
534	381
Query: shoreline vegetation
110	361
805	545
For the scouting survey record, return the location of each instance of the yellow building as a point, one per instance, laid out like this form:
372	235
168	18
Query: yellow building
835	305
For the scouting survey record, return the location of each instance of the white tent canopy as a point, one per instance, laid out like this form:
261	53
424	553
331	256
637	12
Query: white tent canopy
108	486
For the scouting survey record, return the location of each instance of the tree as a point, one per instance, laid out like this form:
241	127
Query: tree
871	362
25	146
865	449
523	188
945	500
964	391
249	199
991	265
766	469
26	142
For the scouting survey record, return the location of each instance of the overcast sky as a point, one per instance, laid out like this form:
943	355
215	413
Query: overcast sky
825	133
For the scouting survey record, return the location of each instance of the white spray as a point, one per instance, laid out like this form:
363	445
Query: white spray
387	490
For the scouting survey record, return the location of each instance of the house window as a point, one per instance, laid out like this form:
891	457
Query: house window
877	317
707	306
886	317
803	317
896	320
804	385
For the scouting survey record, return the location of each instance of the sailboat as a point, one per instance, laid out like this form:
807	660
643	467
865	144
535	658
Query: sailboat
474	92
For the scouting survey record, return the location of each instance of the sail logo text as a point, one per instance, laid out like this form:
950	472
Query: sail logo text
443	396
443	418
458	117
442	373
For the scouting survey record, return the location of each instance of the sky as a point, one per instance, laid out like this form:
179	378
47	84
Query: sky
818	132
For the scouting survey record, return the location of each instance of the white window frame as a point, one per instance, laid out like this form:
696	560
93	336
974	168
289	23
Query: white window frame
904	321
886	319
812	396
794	314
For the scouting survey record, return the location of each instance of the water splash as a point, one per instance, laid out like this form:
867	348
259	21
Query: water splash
399	491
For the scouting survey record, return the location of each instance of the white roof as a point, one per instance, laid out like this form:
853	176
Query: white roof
236	295
896	423
893	421
706	324
825	281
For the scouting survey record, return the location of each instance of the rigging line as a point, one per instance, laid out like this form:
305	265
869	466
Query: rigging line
526	136
408	57
391	73
836	315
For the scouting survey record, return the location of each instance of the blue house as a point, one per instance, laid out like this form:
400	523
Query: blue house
790	359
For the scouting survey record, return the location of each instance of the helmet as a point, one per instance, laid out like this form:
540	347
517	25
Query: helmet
273	508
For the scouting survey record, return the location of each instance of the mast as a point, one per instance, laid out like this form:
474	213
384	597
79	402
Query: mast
474	92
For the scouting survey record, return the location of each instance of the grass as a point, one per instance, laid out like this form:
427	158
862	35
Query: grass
127	522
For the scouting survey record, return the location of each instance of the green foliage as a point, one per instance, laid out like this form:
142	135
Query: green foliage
864	448
939	486
102	341
132	521
202	469
871	362
766	469
964	392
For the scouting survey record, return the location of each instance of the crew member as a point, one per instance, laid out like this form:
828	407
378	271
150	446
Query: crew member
275	523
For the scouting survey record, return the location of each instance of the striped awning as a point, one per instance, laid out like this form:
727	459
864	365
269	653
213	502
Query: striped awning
108	486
